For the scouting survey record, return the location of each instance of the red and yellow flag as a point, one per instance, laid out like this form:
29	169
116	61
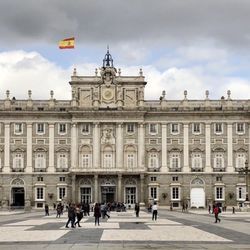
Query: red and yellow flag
68	43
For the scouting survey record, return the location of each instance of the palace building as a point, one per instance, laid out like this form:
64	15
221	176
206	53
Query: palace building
110	144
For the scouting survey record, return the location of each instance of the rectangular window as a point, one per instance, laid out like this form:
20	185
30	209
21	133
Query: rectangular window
153	192
153	178
196	161
174	128
85	195
39	178
153	161
218	128
153	128
62	128
175	161
85	128
240	160
18	128
196	128
108	160
175	178
218	178
240	128
40	161
130	194
131	160
62	179
130	128
18	161
61	193
85	160
219	161
219	193
39	193
241	193
175	193
62	161
40	128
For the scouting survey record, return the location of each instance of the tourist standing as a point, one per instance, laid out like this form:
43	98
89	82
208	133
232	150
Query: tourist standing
97	214
154	211
46	210
137	209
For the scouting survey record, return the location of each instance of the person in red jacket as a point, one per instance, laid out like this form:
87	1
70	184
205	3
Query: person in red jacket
216	213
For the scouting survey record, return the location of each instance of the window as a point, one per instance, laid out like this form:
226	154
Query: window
40	129
175	193
175	128
218	178
39	178
175	178
131	160
153	178
219	161
61	193
196	128
153	192
130	128
39	193
85	195
175	160
18	128
108	161
153	160
241	193
62	179
130	194
40	161
240	160
219	193
18	161
85	128
153	128
240	128
86	160
218	128
62	161
62	128
196	161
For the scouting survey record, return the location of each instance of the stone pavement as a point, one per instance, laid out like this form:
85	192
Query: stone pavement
172	230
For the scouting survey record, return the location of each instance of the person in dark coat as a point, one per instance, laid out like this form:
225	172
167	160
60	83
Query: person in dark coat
79	215
46	210
137	209
71	216
97	213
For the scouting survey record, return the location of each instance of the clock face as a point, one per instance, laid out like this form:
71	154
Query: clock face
108	94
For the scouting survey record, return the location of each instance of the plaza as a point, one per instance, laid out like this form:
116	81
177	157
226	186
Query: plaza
194	229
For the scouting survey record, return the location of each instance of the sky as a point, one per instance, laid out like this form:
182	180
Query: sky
193	45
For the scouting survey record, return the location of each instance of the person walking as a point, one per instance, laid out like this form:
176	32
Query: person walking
216	213
46	210
154	211
79	215
97	214
137	209
71	216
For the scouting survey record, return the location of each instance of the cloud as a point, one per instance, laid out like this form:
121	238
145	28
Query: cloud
22	71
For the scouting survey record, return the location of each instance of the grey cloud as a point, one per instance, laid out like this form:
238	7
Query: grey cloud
119	21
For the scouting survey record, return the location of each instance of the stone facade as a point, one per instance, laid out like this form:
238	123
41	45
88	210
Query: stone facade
110	144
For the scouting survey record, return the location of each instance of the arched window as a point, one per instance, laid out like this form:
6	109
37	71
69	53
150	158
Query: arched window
219	160
130	157
18	161
196	161
108	157
240	160
86	156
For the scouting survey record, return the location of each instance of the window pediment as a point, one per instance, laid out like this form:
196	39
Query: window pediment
58	150
18	149
219	149
40	149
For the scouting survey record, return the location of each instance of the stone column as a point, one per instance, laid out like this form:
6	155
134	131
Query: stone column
96	188
119	146
164	147
119	191
208	167
51	167
186	167
230	148
96	146
74	150
6	168
142	177
73	188
29	148
141	146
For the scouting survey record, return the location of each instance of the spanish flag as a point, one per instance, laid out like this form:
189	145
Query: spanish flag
68	43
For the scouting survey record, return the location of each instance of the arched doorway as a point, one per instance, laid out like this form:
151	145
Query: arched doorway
197	194
17	193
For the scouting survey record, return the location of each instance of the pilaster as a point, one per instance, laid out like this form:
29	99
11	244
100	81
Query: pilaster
74	150
119	188
186	167
208	167
96	146
96	188
51	167
164	147
6	168
141	146
230	148
119	146
29	148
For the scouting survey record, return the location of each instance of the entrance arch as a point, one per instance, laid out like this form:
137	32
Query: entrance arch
197	193
17	193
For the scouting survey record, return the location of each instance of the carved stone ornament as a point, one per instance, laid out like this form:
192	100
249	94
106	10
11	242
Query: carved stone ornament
108	181
17	182
108	75
85	182
108	136
197	181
